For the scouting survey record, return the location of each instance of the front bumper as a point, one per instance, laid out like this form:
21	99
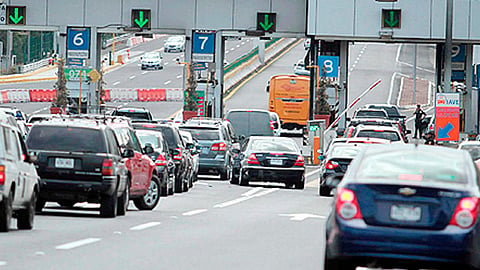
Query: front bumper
61	189
273	174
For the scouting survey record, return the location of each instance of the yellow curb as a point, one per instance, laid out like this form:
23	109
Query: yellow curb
29	80
108	68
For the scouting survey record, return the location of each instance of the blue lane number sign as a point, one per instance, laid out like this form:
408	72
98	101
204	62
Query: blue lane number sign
328	66
78	42
203	46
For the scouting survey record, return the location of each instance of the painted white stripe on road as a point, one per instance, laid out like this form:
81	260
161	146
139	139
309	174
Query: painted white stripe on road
166	63
40	110
312	172
3	263
167	82
238	46
243	43
242	199
116	83
79	243
145	72
144	226
251	192
227	52
132	77
179	76
232	49
194	212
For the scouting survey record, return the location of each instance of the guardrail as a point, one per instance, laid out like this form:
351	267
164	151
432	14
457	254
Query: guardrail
34	65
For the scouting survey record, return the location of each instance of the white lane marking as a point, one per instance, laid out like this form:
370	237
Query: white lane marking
168	82
203	184
2	263
232	49
166	63
78	243
402	82
353	66
116	83
132	77
243	43
145	226
312	172
145	72
238	46
301	217
356	62
390	93
39	110
251	192
194	212
351	69
227	52
358	58
179	76
397	59
242	199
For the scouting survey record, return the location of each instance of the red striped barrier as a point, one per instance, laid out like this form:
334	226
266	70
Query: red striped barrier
42	95
151	95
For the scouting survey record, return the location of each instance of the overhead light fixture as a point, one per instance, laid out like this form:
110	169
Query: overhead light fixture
386	34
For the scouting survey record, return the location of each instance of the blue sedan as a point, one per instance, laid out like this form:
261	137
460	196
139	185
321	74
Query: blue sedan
406	206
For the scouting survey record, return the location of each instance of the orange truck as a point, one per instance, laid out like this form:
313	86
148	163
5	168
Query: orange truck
289	98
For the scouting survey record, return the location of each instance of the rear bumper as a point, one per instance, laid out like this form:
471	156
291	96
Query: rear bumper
211	166
273	174
60	189
356	239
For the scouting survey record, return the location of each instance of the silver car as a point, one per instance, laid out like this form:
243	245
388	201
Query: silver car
174	44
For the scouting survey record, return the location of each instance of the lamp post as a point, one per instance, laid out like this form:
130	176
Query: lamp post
447	78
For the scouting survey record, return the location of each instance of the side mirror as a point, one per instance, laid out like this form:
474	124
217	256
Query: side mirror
174	152
148	149
141	57
236	151
128	153
321	157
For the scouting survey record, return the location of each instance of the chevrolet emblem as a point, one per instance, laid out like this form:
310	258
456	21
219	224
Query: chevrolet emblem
406	191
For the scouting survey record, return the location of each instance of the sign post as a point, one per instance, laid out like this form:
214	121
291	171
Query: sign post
447	117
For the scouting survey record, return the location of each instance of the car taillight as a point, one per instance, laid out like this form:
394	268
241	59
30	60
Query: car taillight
252	159
331	165
221	146
347	205
2	175
430	127
271	125
466	212
300	161
161	160
107	167
178	156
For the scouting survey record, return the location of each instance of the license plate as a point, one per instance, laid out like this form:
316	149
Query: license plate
405	213
276	162
65	163
205	150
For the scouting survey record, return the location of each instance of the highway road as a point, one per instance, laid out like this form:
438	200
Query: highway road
215	225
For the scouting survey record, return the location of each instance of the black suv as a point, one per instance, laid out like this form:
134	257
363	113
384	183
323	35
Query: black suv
80	160
216	147
177	149
136	114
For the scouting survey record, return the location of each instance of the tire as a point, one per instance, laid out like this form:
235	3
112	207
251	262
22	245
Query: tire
123	201
151	199
25	217
178	185
67	204
164	189
190	182
243	181
172	190
289	185
40	205
6	212
108	205
185	186
234	179
227	174
324	191
143	68
300	184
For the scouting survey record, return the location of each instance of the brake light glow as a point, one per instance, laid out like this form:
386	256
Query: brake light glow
300	161
148	126
252	159
430	127
161	160
2	175
107	167
178	156
331	165
221	146
466	212
347	205
271	125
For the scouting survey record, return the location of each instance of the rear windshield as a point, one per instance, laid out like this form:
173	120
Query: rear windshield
391	111
133	115
202	134
273	146
388	135
473	150
251	123
415	166
344	151
172	138
66	139
372	114
153	140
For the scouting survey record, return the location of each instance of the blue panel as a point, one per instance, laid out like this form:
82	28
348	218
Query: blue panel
329	66
203	43
78	39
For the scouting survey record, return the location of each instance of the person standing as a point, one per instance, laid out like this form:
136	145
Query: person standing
419	116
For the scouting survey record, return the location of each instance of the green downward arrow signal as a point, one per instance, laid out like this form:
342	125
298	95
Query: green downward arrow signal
141	23
17	18
266	24
392	22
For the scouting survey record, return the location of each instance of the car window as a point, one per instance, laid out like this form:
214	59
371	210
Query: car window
56	138
415	166
151	139
391	111
133	115
23	147
250	123
203	134
134	141
112	142
344	151
388	135
370	114
277	146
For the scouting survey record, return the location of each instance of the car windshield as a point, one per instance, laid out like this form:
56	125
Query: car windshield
388	135
149	138
473	150
53	138
372	114
413	165
151	55
250	123
344	151
273	145
203	134
175	39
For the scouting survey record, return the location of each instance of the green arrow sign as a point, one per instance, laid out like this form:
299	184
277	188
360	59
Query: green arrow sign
142	21
266	24
391	22
391	18
17	18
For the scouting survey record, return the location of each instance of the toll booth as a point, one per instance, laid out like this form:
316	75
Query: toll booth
315	130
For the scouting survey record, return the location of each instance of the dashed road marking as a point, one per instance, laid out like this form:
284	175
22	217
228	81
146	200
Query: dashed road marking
179	76
145	226
167	82
145	72
194	212
251	192
78	243
116	83
132	77
2	263
242	199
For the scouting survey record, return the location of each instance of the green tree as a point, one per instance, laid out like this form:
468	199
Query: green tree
191	96
61	86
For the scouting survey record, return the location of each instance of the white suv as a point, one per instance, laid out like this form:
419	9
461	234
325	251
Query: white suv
19	182
152	60
381	132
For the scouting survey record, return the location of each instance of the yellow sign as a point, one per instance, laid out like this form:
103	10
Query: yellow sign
94	75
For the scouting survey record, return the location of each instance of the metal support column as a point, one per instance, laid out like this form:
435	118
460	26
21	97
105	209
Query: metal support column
219	57
438	67
313	75
9	50
469	110
343	80
261	51
447	79
95	55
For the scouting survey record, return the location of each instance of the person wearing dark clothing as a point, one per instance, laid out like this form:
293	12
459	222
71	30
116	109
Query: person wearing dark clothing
419	115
